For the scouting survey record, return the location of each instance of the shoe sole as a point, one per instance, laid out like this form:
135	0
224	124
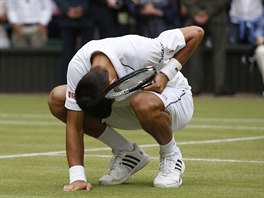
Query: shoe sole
177	185
141	165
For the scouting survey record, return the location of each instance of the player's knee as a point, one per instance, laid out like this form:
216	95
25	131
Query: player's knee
56	98
144	104
198	31
51	98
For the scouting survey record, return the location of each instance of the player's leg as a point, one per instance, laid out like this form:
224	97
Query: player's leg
158	116
128	157
56	101
152	116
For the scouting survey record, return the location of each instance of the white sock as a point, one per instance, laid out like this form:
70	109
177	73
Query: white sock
170	147
115	141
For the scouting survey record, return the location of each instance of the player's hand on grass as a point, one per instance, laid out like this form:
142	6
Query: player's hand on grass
77	185
159	84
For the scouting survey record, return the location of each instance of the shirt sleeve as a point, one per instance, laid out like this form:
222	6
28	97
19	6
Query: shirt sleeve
165	46
172	41
73	77
156	52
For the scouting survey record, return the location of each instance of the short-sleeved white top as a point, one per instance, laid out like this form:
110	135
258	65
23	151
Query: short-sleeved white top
127	53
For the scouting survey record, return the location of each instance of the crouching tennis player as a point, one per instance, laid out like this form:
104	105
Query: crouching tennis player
159	109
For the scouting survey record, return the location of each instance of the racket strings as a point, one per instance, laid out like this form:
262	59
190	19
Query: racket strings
131	83
127	85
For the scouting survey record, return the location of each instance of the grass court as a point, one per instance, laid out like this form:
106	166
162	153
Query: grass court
223	149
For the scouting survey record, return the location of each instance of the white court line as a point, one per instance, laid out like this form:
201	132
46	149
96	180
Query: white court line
192	126
224	160
211	141
253	128
56	153
18	115
194	159
248	120
31	123
199	119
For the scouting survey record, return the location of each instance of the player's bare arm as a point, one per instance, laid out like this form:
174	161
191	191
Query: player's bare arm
74	133
74	138
74	124
75	147
193	36
76	127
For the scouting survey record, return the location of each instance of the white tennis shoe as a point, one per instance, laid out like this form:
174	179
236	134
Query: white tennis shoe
170	172
123	165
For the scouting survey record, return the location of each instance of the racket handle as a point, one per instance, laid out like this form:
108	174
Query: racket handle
147	84
171	68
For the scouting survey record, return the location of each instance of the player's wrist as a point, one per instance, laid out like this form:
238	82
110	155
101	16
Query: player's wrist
171	69
164	76
77	173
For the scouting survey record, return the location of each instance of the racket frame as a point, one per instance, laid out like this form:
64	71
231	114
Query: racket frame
145	82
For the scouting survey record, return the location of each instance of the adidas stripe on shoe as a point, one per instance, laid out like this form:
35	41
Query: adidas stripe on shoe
123	165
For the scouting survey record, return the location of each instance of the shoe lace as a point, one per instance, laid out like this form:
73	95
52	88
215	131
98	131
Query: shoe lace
167	165
115	162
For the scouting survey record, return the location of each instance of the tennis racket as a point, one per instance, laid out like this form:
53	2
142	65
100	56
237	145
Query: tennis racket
131	82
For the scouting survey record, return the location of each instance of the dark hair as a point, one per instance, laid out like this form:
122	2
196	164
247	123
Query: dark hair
90	93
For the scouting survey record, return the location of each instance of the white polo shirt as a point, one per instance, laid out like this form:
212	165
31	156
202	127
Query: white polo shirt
127	53
29	12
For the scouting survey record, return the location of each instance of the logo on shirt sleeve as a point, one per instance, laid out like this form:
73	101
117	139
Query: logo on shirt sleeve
71	95
162	52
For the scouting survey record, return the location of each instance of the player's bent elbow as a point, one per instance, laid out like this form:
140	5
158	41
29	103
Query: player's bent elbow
198	32
193	33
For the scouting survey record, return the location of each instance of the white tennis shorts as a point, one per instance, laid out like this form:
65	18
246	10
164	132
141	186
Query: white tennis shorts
178	103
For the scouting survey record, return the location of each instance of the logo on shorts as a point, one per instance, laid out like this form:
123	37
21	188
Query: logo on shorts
164	96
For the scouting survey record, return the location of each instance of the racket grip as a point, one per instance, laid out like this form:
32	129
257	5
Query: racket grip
171	68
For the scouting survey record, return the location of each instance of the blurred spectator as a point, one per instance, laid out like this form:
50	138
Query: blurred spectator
29	20
105	16
247	27
155	16
212	16
54	29
4	39
244	17
76	29
126	22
